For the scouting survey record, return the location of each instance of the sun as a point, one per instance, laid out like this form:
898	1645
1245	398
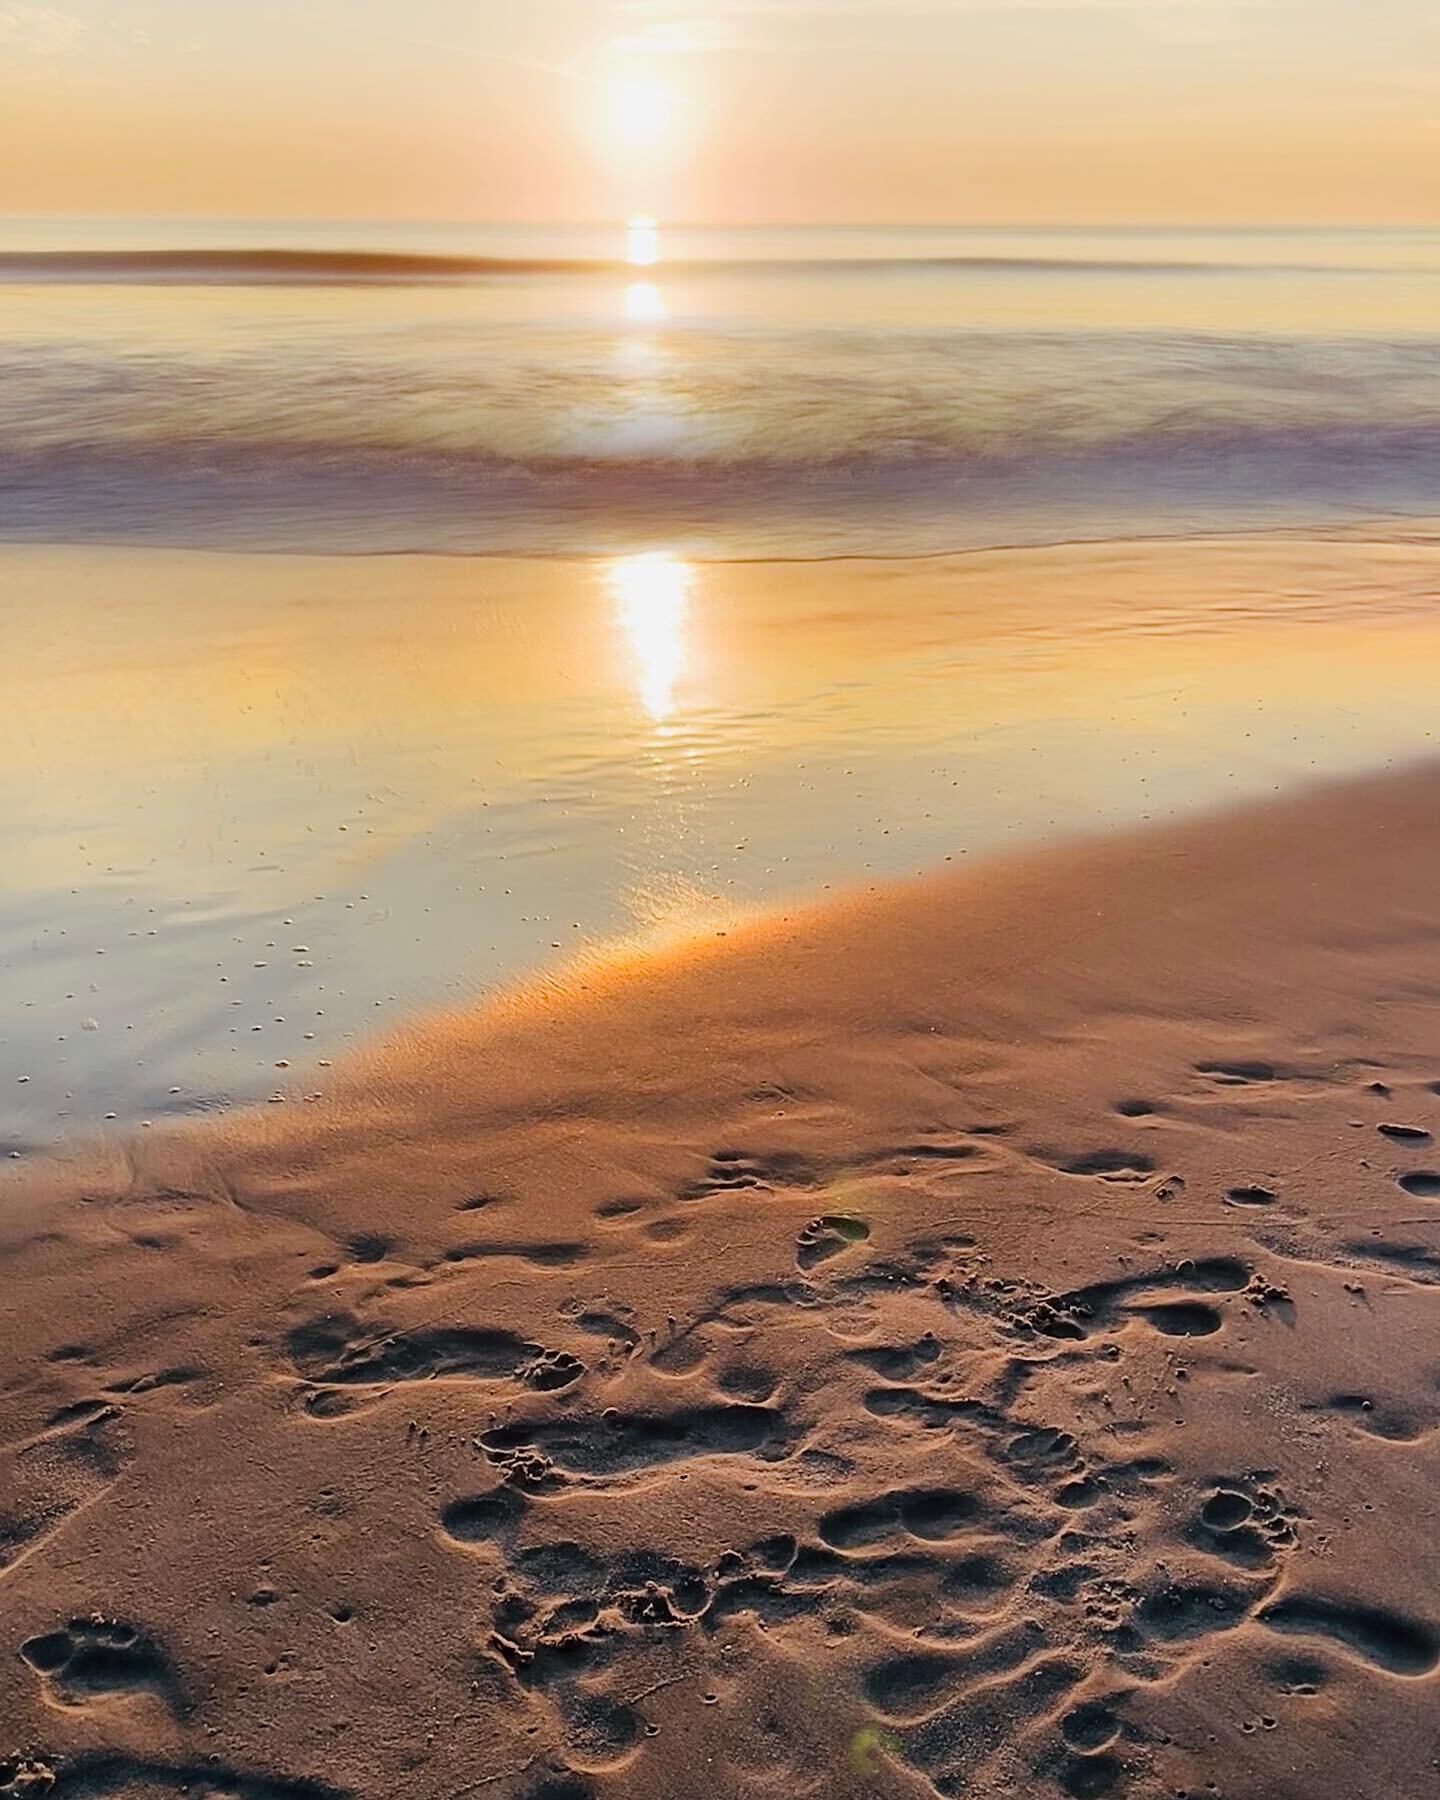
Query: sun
640	112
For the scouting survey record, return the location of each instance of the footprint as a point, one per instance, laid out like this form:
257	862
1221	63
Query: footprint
1245	1522
1090	1726
370	1247
1386	1640
1424	1184
98	1659
491	1518
1416	1261
539	1256
904	1689
551	1370
681	1357
932	1514
150	1381
337	1350
1084	1311
827	1237
900	1362
1404	1134
116	1774
1396	1427
479	1202
1237	1074
1181	1318
1108	1165
615	1443
610	1212
732	1171
1043	1451
1250	1196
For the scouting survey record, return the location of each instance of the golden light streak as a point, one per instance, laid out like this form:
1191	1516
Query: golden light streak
652	596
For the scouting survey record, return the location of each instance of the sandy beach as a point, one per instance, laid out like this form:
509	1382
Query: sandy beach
720	915
977	1337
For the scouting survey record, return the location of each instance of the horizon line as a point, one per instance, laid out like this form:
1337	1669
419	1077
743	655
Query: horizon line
789	224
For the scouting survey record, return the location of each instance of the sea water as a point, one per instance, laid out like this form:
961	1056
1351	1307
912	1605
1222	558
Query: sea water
704	612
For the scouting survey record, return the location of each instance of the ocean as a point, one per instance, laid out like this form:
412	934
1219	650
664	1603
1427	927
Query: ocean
760	393
396	614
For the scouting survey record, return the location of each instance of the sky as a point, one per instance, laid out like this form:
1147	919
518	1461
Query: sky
725	111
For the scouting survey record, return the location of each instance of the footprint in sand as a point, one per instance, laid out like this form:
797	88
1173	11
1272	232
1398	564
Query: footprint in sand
901	1362
733	1171
1386	1640
932	1514
1250	1196
1245	1522
1107	1164
1238	1074
828	1236
339	1354
1404	1134
117	1774
98	1659
612	1444
1106	1305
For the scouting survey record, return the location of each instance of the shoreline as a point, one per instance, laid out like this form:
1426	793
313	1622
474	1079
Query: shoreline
1380	529
426	772
974	1337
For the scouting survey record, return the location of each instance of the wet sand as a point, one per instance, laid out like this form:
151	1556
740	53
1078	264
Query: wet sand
260	807
979	1337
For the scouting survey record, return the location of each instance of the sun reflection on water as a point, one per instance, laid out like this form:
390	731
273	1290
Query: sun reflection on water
645	304
652	597
642	242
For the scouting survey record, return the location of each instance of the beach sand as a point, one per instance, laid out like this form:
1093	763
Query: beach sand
979	1337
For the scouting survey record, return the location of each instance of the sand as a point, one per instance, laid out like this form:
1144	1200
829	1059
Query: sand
979	1338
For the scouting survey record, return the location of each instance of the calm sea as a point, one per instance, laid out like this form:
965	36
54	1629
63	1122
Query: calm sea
790	392
256	806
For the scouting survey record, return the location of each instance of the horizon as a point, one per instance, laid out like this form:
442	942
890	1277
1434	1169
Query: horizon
292	226
1238	226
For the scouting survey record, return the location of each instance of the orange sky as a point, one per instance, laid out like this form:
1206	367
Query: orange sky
725	110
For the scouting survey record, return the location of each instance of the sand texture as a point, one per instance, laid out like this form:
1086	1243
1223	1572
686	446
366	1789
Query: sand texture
979	1339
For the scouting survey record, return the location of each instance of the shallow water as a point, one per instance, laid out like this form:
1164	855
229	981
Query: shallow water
257	806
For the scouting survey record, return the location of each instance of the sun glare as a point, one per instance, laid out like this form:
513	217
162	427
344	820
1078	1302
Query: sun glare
645	304
642	242
641	112
652	596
